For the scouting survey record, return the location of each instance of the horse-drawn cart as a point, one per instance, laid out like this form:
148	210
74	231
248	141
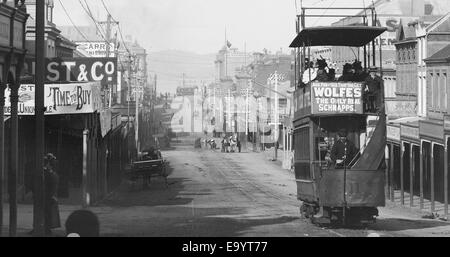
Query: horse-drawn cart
146	168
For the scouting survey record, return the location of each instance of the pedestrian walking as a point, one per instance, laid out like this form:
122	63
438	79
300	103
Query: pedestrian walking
82	223
224	141
51	180
238	144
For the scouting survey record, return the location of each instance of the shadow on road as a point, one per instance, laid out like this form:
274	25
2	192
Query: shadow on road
202	222
396	224
157	194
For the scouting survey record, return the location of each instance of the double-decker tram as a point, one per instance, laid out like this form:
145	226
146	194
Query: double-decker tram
339	130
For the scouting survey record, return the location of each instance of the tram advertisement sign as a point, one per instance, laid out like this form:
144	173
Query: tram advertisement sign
336	98
77	98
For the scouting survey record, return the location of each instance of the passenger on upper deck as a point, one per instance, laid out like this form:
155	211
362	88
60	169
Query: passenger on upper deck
310	73
347	73
343	150
331	75
359	75
322	75
374	92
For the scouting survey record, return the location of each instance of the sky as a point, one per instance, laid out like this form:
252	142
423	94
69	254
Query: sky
199	25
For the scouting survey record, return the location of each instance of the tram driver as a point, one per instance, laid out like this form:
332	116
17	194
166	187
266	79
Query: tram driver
343	150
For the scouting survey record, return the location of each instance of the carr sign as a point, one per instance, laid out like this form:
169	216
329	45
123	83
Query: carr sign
336	98
97	49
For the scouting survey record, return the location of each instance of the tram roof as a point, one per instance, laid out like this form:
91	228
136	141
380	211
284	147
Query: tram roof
354	36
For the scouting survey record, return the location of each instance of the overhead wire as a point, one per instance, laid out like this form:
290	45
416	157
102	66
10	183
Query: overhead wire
93	19
107	10
118	25
92	15
73	23
323	14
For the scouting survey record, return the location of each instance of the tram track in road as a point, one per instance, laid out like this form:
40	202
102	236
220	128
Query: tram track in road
235	169
248	192
232	183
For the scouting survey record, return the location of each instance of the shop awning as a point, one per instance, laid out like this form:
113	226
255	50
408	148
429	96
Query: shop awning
353	36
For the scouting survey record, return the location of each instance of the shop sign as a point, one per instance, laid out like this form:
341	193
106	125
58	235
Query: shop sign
393	133
97	49
59	99
410	132
186	91
66	70
401	109
336	98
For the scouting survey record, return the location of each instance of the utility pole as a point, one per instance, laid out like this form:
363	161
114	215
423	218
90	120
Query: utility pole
274	79
247	113
129	99
229	110
136	116
38	192
108	24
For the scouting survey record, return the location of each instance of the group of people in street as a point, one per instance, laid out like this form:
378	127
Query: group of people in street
230	144
373	91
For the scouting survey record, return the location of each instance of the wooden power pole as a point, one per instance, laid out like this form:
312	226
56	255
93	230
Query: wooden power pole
38	192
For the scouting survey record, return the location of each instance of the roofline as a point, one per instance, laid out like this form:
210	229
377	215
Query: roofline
437	22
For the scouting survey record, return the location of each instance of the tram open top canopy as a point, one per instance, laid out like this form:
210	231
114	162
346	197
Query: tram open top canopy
354	36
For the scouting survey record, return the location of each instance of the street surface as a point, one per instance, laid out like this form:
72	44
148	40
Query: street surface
214	194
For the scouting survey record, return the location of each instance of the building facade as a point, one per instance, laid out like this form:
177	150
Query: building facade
229	61
418	144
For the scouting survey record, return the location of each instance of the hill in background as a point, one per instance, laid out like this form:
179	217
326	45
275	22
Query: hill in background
169	66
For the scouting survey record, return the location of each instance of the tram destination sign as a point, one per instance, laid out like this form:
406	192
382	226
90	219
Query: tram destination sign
336	98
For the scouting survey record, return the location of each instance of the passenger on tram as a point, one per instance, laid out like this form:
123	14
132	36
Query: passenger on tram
359	75
322	75
331	75
347	73
343	150
310	74
374	91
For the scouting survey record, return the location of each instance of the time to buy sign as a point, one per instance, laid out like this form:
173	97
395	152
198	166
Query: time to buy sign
75	98
337	98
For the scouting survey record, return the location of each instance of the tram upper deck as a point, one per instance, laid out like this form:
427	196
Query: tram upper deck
328	98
